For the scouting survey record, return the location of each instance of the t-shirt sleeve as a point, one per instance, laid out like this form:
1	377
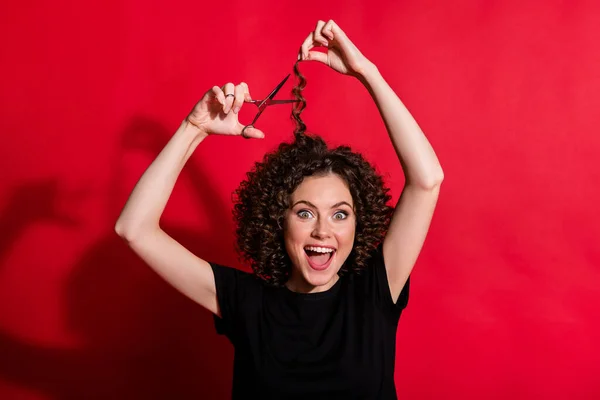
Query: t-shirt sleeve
231	286
380	286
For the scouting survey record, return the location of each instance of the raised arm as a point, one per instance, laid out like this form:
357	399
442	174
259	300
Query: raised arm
422	170
423	176
138	223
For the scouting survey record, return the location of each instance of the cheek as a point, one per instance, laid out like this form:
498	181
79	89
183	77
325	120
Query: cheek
345	234
294	235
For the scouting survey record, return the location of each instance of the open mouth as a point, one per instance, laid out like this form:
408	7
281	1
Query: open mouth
319	257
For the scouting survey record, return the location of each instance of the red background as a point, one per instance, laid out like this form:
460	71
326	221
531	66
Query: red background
505	295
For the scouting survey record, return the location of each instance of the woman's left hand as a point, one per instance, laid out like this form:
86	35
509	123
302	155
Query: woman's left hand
342	55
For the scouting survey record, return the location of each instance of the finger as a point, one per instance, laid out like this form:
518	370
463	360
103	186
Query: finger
339	35
247	96
327	30
239	98
218	94
250	132
229	90
318	36
306	46
317	56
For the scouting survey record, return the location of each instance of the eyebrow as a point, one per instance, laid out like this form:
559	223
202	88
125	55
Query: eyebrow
313	206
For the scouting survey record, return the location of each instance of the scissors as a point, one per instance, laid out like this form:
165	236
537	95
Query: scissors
268	101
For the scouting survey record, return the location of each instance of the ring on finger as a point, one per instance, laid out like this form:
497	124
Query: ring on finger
230	94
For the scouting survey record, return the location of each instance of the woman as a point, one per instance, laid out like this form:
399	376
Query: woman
331	260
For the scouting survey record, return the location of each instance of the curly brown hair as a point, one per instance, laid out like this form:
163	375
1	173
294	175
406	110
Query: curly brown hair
263	198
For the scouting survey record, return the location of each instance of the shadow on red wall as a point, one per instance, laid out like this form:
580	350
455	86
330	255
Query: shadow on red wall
139	337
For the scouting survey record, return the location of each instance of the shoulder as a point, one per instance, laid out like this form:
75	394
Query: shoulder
234	280
373	279
237	292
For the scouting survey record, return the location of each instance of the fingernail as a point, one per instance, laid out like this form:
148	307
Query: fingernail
236	109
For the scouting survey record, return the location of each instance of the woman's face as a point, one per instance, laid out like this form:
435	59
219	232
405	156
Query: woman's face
319	232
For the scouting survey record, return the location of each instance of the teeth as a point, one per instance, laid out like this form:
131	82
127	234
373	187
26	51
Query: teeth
319	249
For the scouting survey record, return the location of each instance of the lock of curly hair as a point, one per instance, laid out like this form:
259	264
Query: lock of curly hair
301	104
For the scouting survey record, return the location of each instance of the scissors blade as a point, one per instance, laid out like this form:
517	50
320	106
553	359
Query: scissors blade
271	102
274	92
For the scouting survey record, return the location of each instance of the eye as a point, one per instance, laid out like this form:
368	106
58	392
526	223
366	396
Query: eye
340	215
304	214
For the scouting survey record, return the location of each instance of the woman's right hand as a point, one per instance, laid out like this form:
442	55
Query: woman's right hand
217	112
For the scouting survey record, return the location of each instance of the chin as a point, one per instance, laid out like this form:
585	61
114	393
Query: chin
321	278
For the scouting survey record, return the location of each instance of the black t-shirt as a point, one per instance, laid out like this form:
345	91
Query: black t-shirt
340	343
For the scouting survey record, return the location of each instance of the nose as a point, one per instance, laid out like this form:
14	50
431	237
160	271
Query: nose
321	229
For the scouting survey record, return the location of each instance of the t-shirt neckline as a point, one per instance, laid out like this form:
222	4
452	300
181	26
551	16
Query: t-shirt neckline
314	296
